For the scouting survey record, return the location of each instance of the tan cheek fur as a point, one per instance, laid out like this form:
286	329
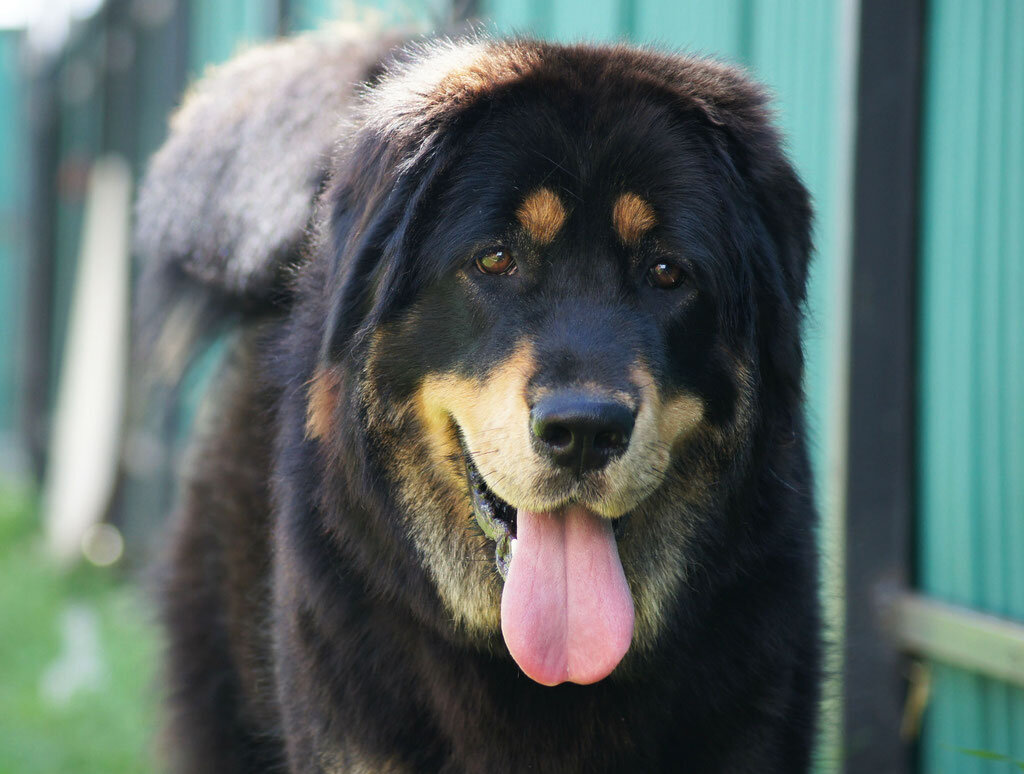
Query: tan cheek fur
432	489
660	426
428	464
542	214
653	548
494	419
423	460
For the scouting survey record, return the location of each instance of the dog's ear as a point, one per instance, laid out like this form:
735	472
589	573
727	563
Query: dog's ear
743	124
769	181
777	240
411	126
375	213
779	196
226	202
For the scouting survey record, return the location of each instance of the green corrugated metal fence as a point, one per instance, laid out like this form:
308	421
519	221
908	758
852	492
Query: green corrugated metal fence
971	428
216	30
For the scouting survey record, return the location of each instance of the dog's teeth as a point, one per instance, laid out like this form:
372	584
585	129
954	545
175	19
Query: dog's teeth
512	546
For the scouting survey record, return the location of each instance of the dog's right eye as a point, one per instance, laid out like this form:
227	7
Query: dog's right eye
496	262
666	276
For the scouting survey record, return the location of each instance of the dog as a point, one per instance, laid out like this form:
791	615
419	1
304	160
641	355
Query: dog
506	467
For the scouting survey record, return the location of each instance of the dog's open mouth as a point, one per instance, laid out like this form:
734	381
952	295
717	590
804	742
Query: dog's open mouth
566	609
496	517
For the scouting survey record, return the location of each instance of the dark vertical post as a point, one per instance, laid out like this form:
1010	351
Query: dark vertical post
465	10
119	99
155	82
283	10
880	483
44	128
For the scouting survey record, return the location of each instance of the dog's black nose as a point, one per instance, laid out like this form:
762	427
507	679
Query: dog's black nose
579	430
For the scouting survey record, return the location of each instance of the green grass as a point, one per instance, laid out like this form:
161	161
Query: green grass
107	725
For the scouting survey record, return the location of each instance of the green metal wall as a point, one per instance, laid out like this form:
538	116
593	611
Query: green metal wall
307	14
971	441
218	30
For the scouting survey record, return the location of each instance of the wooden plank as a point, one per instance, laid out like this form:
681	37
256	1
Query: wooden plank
959	636
88	416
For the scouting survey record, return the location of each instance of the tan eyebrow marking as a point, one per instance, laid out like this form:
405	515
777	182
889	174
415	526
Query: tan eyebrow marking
632	217
542	215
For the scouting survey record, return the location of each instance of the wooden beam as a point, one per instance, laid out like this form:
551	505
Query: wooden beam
964	638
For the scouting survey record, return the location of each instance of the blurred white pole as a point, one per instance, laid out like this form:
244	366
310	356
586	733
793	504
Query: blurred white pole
87	418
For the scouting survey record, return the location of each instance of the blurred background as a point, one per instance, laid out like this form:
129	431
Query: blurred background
906	120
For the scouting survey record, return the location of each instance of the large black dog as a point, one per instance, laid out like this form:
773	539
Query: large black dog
507	468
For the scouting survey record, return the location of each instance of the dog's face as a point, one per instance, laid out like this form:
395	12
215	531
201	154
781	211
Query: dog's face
570	379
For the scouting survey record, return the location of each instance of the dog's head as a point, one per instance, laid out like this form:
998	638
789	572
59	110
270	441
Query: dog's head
563	289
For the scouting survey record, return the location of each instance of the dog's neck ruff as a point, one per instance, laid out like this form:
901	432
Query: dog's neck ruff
566	610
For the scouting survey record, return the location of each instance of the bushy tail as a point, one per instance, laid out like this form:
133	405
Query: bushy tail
226	205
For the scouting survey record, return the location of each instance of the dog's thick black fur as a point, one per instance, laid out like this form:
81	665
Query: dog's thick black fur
424	270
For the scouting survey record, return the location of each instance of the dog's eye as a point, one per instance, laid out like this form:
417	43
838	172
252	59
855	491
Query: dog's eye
496	262
666	275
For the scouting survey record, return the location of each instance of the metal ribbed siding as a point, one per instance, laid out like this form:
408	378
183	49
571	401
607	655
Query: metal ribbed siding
217	30
972	358
413	14
718	29
307	14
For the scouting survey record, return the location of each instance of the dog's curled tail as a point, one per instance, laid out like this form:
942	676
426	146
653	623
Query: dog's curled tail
226	207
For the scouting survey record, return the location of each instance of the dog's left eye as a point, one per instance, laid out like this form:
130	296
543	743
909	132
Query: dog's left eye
666	275
496	262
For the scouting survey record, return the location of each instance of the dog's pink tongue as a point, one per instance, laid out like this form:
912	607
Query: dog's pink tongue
566	611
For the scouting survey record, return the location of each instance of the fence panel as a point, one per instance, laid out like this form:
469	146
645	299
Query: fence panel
971	430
